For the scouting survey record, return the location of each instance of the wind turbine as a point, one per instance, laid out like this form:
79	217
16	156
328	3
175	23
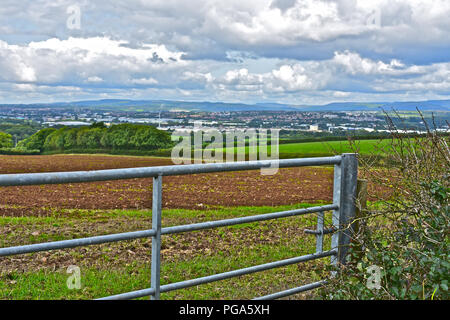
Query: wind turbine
159	122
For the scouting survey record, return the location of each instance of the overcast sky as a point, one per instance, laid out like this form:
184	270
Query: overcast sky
287	51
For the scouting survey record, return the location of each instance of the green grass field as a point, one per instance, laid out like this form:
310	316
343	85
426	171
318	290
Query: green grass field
115	268
320	149
364	147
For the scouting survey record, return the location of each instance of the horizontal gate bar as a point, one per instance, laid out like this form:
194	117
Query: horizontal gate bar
230	222
149	233
75	242
131	295
24	179
240	272
325	231
223	276
290	292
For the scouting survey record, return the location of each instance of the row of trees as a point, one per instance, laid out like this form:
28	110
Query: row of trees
98	137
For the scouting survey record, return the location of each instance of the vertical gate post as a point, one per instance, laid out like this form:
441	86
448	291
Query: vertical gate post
156	239
344	195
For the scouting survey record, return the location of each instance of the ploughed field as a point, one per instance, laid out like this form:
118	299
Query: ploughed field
200	191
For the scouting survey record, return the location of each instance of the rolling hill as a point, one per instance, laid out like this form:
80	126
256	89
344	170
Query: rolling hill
205	106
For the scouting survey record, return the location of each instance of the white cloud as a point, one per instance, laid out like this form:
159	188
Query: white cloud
286	78
434	78
77	60
341	94
293	78
355	64
145	81
94	79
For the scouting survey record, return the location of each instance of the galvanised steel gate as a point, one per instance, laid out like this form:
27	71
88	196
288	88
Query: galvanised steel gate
343	207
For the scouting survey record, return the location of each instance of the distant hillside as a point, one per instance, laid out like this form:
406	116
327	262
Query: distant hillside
168	105
429	105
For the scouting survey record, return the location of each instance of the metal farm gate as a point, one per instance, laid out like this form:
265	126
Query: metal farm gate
343	208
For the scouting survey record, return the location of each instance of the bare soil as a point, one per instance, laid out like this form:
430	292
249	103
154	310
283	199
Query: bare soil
200	191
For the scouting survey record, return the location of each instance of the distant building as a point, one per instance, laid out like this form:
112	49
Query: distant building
67	123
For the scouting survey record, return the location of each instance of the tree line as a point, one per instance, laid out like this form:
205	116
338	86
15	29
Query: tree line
120	137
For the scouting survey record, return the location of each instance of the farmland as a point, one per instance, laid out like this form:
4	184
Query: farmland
366	147
328	148
289	186
48	213
35	214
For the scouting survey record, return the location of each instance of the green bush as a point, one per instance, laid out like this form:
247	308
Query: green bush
6	140
18	151
406	234
37	140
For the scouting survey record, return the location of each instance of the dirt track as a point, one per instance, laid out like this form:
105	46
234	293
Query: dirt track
288	186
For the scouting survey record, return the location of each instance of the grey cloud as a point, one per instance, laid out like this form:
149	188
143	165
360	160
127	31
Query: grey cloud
207	30
156	59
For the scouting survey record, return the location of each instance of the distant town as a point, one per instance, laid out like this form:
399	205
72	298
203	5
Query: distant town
368	121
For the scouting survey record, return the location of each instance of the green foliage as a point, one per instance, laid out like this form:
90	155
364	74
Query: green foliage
5	140
37	140
407	234
18	151
414	257
7	146
19	129
98	137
